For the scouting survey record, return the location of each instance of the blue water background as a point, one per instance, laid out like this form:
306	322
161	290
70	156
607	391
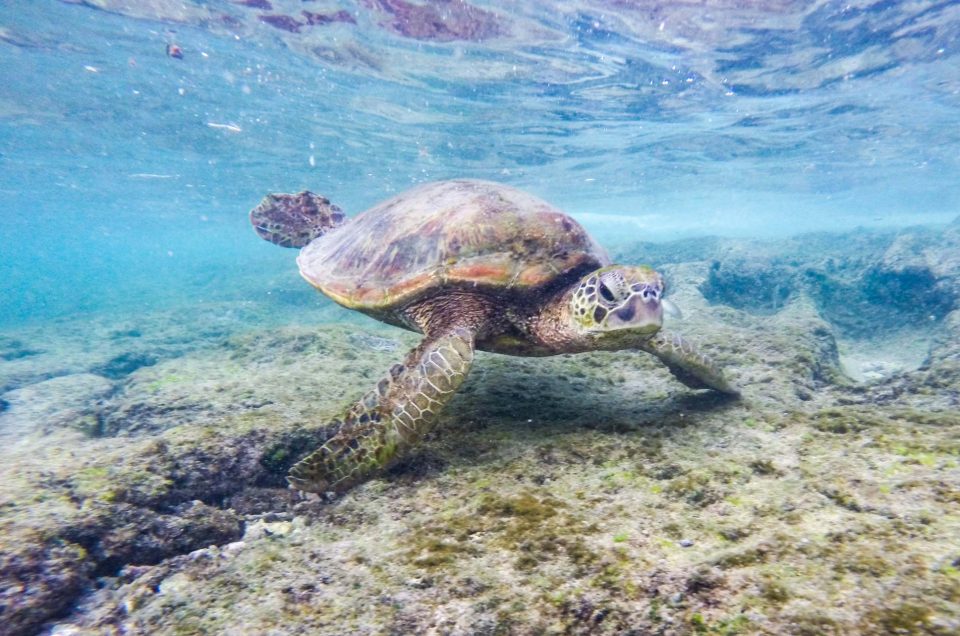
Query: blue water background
126	174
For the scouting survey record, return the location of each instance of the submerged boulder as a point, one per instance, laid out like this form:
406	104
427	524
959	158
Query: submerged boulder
66	401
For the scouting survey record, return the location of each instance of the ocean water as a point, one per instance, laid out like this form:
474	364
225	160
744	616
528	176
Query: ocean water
126	173
793	168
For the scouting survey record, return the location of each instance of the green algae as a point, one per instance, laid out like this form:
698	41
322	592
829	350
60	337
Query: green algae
165	381
696	488
740	558
526	507
95	482
724	627
535	527
763	467
774	590
904	618
857	418
518	533
89	425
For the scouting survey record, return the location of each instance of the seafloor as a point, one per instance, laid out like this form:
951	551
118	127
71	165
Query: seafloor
143	461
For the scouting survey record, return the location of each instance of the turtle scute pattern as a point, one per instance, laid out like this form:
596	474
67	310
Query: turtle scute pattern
689	365
293	220
462	232
390	418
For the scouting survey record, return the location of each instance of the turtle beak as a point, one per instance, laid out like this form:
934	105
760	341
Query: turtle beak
671	310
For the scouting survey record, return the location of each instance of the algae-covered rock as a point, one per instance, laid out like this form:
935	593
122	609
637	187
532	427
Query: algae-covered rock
575	494
753	283
263	372
38	582
124	364
920	271
68	400
169	486
116	535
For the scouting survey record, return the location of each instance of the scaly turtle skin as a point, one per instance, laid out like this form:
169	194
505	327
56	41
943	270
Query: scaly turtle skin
470	265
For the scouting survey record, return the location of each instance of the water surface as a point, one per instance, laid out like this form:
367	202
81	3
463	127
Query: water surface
126	173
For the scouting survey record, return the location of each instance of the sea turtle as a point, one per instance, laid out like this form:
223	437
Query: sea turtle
471	265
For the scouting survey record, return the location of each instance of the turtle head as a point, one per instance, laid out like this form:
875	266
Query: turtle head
617	306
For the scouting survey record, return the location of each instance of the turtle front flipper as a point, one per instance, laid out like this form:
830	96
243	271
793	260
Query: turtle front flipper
392	417
687	364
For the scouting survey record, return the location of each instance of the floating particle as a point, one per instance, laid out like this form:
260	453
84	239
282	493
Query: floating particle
228	127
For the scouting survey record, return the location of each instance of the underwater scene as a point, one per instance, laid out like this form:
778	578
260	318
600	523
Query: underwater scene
480	317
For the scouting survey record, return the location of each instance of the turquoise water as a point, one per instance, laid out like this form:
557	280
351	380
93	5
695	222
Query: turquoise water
126	174
163	370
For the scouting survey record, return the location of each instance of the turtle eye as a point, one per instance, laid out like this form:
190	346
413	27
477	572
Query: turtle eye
606	293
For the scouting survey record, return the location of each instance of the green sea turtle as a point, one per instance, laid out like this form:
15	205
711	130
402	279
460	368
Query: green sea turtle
470	265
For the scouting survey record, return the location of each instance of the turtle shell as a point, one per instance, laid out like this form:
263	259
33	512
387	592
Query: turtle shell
461	233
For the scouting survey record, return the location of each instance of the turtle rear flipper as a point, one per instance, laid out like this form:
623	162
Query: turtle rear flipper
293	220
687	364
392	417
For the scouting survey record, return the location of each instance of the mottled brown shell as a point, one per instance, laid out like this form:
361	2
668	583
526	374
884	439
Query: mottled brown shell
461	233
